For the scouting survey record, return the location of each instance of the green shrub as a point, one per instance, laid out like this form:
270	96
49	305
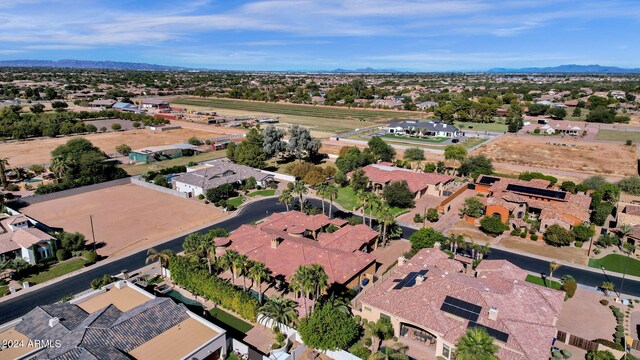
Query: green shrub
61	254
523	235
417	218
578	244
604	302
12	187
515	232
534	237
566	353
200	197
97	283
199	281
610	344
91	256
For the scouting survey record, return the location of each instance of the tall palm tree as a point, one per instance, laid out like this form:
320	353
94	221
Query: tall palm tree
476	344
624	230
373	202
241	266
162	257
286	198
4	163
228	261
321	191
302	282
300	188
332	194
362	199
385	217
320	279
378	331
259	273
281	310
553	266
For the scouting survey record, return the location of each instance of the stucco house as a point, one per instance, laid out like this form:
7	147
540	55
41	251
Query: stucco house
431	303
19	238
417	128
420	183
513	200
214	173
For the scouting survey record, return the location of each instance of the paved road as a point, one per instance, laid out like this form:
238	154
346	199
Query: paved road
257	210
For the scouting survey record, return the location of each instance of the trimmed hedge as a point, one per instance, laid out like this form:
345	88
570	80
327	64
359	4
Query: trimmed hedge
610	344
198	281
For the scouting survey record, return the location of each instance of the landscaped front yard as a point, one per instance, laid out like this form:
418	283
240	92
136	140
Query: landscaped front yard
237	201
266	192
56	270
546	283
617	263
347	200
429	140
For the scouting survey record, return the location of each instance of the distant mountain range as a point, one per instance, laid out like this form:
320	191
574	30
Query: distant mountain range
569	69
88	64
367	70
119	65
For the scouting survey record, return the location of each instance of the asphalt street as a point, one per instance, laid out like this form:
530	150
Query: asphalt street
20	305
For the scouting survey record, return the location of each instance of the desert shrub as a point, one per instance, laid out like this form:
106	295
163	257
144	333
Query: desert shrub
578	244
61	254
91	256
200	197
604	302
534	237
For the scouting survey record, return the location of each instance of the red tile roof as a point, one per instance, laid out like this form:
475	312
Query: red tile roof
526	312
417	181
337	253
24	237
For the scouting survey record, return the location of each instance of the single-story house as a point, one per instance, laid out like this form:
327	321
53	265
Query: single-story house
163	152
214	173
155	104
122	106
19	238
431	302
422	128
119	321
102	103
285	241
427	104
381	175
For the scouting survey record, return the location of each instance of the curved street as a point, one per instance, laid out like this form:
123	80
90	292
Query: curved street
20	305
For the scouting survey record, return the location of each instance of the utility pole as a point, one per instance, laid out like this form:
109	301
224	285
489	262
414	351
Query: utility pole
93	235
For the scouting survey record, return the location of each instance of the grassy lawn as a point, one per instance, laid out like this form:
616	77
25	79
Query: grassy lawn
327	120
56	270
236	201
231	320
538	281
491	127
434	140
143	168
616	263
3	289
471	142
617	135
266	192
347	199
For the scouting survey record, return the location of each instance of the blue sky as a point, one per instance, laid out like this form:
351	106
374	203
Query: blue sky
422	35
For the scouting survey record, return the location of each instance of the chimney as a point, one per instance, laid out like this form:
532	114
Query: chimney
275	242
53	322
419	279
493	313
401	261
120	284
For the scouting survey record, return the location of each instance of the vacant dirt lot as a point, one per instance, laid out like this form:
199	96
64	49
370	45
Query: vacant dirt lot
570	254
125	217
575	155
26	153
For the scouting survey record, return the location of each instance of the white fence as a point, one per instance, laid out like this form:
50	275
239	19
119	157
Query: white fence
162	189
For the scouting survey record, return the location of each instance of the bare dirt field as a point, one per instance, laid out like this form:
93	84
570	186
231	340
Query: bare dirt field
26	153
581	156
125	217
570	254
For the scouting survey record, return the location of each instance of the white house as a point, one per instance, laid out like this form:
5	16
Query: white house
422	128
20	239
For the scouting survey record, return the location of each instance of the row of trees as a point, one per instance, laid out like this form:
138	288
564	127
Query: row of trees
262	145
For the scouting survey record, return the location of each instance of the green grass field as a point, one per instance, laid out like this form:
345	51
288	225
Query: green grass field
617	135
55	271
616	263
3	290
266	192
143	168
538	281
497	126
434	140
328	120
231	320
236	201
